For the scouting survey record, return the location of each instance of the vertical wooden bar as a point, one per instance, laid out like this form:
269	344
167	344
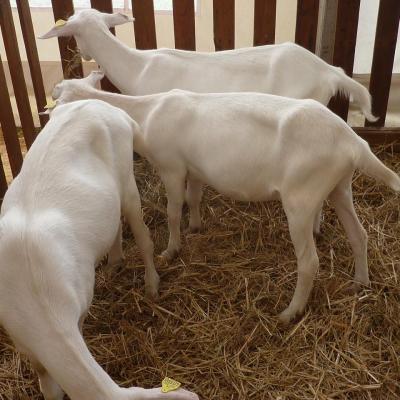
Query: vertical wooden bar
144	25
264	22
33	58
184	24
345	46
307	23
382	62
16	71
224	24
3	181
71	62
105	6
8	126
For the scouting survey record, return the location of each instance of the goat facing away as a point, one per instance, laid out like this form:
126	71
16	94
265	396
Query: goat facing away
285	69
60	216
250	147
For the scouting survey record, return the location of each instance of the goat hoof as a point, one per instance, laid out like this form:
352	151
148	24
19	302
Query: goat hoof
152	293
112	265
193	229
168	255
287	316
357	287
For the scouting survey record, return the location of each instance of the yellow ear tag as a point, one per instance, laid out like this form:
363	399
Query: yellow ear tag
50	104
60	22
169	385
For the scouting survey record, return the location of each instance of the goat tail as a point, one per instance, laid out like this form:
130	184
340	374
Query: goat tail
372	166
357	92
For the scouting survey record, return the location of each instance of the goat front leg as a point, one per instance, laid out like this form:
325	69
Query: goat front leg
194	192
175	188
301	231
132	209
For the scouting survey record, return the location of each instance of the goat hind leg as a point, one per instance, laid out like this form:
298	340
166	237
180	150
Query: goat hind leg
342	200
50	389
193	196
115	255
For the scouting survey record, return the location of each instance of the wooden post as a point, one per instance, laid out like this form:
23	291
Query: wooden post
307	23
326	29
3	181
8	126
70	60
16	71
382	63
264	22
224	24
105	6
33	58
184	24
144	25
345	47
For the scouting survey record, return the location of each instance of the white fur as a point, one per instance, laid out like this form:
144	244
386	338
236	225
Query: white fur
251	147
60	216
285	69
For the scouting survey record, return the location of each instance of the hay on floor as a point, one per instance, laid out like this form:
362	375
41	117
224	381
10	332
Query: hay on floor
215	328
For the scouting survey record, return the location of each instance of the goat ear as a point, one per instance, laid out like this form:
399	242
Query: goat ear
116	19
94	77
61	28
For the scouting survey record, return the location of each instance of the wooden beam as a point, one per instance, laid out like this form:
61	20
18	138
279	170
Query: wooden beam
382	62
16	71
224	24
33	58
307	23
379	136
8	126
264	22
105	6
71	61
144	25
184	24
345	46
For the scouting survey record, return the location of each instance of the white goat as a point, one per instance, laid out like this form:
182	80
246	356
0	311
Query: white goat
251	147
286	69
60	216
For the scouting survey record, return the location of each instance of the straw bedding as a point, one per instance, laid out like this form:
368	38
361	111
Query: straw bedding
215	328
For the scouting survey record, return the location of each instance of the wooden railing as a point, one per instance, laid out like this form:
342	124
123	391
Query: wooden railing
184	30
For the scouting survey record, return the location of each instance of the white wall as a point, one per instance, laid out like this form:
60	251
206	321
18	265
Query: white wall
366	37
286	17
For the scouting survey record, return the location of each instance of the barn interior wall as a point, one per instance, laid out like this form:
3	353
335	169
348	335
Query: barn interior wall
286	20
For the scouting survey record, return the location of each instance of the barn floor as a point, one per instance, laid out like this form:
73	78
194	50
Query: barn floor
215	328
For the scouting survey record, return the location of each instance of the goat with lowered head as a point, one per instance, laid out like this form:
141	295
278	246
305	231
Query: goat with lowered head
60	216
250	147
285	69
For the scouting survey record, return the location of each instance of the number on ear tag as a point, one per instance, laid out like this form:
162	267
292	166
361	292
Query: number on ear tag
50	104
168	385
60	22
